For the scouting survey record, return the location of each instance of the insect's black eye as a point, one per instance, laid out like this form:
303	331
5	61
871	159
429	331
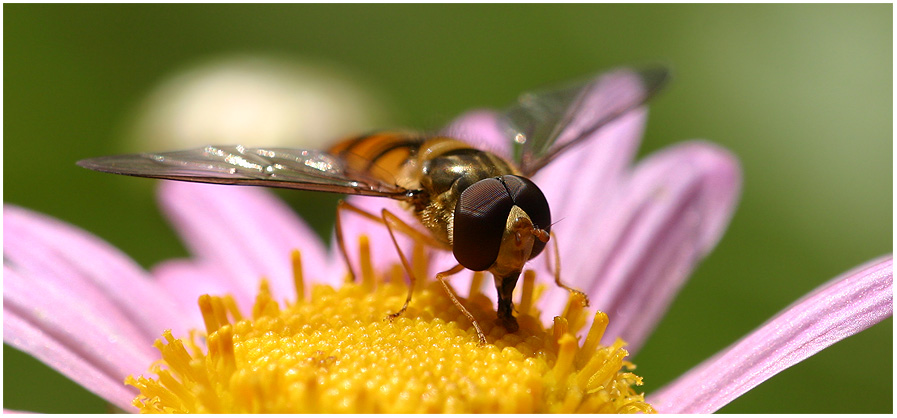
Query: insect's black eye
529	197
482	213
480	218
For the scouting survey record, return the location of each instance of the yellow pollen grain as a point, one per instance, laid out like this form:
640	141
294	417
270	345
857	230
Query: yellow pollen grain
335	351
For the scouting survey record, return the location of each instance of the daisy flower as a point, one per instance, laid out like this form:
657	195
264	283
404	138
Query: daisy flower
262	319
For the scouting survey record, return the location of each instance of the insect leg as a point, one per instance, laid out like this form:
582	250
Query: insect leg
340	207
398	223
557	271
444	275
392	221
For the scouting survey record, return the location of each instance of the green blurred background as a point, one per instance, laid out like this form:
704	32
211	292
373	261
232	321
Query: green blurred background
801	93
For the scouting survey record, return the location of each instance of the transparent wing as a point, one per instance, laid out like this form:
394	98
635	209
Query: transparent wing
271	167
543	124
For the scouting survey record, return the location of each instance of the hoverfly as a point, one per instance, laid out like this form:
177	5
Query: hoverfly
474	203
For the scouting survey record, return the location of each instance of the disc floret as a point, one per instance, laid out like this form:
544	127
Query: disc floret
333	350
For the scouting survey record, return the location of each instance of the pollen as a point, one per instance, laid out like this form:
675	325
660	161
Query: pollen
333	350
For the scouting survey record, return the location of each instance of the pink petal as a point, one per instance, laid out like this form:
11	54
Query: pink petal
840	308
580	183
611	93
244	232
579	186
190	278
72	316
75	260
80	306
66	357
634	254
482	129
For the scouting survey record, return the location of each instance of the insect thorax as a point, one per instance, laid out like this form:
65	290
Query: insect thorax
444	175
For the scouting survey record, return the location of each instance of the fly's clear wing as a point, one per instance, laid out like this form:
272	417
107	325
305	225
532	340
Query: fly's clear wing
543	124
271	167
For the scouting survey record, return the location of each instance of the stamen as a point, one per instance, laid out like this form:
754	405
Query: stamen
232	309
396	273
526	294
476	283
560	328
265	306
220	311
599	325
566	351
298	279
574	312
367	268
419	260
332	352
208	313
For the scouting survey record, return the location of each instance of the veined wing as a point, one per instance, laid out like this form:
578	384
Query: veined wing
271	167
543	124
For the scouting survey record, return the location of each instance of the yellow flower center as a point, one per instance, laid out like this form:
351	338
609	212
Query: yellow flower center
333	350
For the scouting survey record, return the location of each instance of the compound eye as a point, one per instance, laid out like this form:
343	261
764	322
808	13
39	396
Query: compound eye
480	219
529	197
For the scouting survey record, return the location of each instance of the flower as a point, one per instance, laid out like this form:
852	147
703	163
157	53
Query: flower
82	307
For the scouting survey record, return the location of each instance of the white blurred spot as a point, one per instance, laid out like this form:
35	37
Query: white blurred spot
254	101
